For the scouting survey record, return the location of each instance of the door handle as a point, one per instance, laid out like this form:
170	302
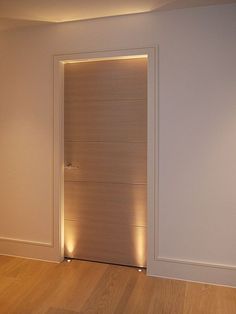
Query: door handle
69	166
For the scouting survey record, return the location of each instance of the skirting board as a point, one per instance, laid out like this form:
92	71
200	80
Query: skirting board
190	272
29	250
165	269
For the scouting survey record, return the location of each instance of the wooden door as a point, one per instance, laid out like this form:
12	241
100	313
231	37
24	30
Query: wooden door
105	157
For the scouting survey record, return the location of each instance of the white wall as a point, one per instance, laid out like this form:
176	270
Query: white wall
197	130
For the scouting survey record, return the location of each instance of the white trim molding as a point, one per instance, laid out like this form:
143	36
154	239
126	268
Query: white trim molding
27	241
194	272
158	265
28	249
59	60
196	263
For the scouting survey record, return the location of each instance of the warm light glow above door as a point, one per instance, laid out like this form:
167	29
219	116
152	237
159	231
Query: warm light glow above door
103	59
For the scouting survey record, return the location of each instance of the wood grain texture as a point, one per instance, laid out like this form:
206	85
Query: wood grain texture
203	298
60	311
101	241
109	79
105	202
35	287
106	143
106	162
107	120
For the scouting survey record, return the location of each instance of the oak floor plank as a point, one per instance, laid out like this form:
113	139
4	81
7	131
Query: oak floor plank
79	287
140	298
168	297
203	298
74	291
108	292
60	311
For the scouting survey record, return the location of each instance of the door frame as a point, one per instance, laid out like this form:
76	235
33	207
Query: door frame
152	141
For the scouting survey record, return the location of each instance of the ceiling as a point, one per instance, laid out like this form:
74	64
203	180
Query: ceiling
18	13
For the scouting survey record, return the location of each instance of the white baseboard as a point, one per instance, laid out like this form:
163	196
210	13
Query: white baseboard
171	269
195	272
29	249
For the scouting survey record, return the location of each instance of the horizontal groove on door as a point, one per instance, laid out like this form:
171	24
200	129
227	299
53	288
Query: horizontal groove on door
125	120
84	181
87	99
112	162
105	138
105	202
81	141
112	223
104	241
93	78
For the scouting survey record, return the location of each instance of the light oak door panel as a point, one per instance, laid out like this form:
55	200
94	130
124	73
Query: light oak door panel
104	80
113	243
106	162
105	202
105	150
109	121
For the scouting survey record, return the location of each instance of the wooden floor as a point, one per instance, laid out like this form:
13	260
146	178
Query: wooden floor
28	286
